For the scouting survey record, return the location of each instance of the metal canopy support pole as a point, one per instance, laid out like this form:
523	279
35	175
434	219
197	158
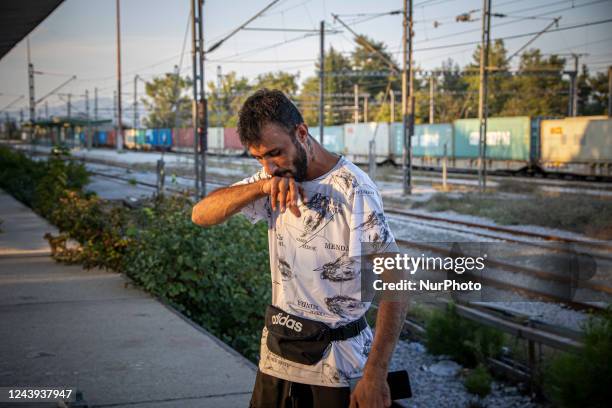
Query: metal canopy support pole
31	92
119	139
322	83
482	95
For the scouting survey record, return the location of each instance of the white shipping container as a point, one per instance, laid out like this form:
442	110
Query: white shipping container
215	139
357	138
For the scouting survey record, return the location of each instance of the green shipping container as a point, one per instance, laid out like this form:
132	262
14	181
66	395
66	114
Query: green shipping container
140	137
507	138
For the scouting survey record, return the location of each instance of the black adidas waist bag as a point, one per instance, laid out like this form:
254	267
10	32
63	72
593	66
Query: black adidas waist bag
303	340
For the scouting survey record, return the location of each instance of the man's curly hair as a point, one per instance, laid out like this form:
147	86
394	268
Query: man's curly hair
263	107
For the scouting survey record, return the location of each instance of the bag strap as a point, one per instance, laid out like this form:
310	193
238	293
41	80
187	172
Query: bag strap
347	331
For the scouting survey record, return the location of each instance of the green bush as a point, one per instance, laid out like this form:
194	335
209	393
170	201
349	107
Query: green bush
478	381
219	276
584	379
464	341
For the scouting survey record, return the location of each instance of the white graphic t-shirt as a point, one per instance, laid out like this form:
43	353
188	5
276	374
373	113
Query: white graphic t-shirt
315	265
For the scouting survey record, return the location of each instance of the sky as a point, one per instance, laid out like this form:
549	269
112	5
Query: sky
79	38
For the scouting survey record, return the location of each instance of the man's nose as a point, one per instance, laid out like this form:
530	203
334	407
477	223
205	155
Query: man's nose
270	166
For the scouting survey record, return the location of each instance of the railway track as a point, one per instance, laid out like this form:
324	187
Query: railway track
484	230
508	270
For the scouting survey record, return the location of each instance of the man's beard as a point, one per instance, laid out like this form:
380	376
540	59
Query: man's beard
300	164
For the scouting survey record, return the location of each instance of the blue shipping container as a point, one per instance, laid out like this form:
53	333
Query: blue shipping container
162	137
149	137
101	138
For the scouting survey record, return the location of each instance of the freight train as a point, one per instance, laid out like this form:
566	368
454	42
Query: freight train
580	146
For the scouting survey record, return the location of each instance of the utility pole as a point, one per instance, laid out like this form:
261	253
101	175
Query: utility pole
322	83
392	96
356	105
119	140
407	104
482	95
96	104
365	108
115	107
88	135
575	85
610	91
31	91
219	85
95	116
135	125
431	98
69	105
199	98
46	110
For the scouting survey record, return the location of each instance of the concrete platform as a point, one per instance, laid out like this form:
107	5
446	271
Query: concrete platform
64	326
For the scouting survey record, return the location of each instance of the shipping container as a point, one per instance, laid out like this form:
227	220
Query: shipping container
112	139
140	138
427	141
578	145
215	140
100	139
507	138
162	138
182	139
129	137
148	138
231	140
333	137
358	136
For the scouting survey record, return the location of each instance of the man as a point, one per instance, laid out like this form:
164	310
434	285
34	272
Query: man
322	211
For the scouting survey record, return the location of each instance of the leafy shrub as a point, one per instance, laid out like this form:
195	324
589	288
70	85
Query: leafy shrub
582	379
462	340
478	381
217	276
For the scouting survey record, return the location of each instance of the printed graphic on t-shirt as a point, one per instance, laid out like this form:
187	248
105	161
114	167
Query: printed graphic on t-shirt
315	266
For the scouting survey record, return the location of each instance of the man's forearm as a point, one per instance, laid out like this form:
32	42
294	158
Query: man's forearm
389	322
221	204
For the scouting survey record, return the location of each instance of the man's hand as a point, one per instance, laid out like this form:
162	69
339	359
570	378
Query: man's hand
284	191
371	392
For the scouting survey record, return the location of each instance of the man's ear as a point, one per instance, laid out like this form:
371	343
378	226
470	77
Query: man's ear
302	132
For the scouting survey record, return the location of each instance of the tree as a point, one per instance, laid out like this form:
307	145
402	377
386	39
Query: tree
224	103
167	102
452	93
498	83
592	93
338	89
538	88
283	81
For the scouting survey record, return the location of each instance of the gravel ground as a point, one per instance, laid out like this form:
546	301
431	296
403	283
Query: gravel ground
432	389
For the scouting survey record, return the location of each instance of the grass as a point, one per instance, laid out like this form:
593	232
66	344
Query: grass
592	216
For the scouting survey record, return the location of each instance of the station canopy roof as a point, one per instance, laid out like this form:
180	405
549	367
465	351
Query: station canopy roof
19	17
64	121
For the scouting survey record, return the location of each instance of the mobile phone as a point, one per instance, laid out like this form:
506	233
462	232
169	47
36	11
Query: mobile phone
398	381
